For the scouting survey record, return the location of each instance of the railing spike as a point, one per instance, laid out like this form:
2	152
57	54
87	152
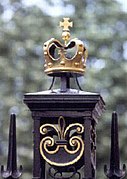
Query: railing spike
114	171
11	171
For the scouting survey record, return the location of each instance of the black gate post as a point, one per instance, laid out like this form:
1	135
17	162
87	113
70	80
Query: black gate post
65	119
78	111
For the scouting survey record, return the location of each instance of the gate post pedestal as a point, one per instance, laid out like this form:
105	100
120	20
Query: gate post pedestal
81	107
65	119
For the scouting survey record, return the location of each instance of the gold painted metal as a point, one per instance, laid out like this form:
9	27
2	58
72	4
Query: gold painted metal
66	32
76	64
44	129
66	24
61	128
75	142
80	146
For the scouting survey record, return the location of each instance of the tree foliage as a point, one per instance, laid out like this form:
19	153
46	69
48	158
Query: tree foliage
101	24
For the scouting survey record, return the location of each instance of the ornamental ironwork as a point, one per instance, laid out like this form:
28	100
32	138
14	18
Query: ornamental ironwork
64	120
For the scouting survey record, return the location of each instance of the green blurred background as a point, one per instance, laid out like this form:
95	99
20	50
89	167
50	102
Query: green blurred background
24	26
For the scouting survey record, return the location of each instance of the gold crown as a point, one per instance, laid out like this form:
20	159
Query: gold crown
58	63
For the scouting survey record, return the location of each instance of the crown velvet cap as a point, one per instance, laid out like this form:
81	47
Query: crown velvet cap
60	64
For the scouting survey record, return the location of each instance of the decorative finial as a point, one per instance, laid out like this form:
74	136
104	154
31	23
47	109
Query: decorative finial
66	32
65	63
12	171
66	24
114	171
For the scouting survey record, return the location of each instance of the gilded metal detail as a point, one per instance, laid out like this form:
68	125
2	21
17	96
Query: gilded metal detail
66	24
61	142
59	57
66	32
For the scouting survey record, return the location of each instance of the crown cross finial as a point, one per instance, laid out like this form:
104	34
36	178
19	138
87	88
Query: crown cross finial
66	24
60	61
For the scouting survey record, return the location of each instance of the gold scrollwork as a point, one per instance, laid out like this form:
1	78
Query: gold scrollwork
44	129
68	143
79	129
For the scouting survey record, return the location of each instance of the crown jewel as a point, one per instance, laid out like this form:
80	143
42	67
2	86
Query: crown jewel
58	58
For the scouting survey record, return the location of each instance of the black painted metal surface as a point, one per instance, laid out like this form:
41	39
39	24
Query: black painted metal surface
67	114
76	107
12	172
114	171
